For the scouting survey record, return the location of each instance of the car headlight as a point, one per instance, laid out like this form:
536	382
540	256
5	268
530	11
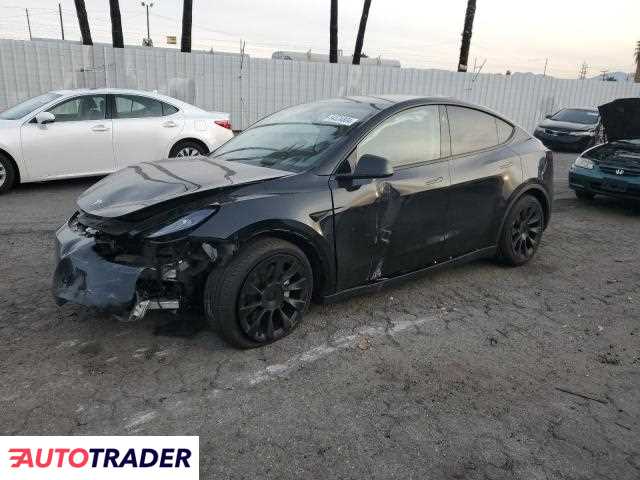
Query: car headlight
588	133
185	223
584	163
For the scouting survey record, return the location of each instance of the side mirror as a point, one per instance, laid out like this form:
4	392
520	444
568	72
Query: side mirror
548	115
372	166
43	118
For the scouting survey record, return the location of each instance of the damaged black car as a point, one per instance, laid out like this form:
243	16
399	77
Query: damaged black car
321	200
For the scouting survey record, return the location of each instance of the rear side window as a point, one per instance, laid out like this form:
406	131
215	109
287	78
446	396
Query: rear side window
408	137
131	106
168	109
473	130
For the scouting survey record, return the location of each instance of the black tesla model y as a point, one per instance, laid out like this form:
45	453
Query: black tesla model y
320	200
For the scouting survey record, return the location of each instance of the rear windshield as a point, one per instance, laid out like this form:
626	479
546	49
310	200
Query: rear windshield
293	139
574	115
28	106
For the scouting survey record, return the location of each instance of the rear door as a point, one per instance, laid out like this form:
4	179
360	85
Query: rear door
144	128
484	173
389	226
77	143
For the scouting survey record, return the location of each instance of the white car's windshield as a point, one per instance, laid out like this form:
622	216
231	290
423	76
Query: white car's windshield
28	106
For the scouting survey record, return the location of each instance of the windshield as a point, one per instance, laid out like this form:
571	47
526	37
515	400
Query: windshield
293	139
574	115
28	106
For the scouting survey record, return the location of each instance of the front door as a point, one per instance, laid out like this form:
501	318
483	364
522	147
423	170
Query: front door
394	225
77	143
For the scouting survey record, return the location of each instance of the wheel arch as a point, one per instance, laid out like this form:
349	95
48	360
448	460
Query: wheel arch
9	157
534	189
188	139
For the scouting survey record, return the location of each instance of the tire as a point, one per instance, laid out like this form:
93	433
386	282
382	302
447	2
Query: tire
261	295
522	231
188	148
584	195
7	174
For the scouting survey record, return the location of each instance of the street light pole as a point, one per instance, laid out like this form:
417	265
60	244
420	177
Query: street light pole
148	41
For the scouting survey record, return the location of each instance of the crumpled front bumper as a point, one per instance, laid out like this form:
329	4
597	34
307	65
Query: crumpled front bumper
84	277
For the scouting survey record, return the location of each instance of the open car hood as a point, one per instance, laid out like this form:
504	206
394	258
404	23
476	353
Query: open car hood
621	119
146	184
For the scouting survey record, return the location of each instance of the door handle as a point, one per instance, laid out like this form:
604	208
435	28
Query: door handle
100	128
169	124
433	181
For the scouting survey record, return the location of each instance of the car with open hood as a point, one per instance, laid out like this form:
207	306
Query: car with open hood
573	129
323	200
612	168
93	132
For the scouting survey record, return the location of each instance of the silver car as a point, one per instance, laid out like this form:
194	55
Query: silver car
77	133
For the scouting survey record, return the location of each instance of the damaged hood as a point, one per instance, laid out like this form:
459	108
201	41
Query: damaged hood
621	119
146	184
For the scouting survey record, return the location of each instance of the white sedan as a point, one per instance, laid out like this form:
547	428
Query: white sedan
77	133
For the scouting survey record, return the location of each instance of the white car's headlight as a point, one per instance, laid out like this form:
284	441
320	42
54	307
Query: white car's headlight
584	163
588	133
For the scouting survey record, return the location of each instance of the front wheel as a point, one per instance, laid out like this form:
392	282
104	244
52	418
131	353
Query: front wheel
262	295
7	174
522	231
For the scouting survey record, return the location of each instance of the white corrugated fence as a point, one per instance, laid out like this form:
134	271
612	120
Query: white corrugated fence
250	88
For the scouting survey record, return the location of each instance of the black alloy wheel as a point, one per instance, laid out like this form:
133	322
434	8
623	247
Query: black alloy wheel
273	298
522	231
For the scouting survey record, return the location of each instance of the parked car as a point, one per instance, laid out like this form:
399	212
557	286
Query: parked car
573	129
78	133
330	198
613	168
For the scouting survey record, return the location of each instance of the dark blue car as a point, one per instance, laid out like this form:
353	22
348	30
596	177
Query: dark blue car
612	168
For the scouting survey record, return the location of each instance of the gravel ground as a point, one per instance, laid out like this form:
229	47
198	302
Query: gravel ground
476	372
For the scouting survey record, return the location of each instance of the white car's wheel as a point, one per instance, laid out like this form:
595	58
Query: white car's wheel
7	174
188	149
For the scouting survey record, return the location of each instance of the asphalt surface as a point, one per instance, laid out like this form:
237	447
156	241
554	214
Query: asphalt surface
480	371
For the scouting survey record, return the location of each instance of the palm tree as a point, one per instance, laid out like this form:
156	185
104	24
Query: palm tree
116	24
333	33
466	35
83	20
637	59
187	16
363	26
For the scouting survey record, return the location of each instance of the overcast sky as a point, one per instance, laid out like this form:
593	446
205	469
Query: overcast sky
419	33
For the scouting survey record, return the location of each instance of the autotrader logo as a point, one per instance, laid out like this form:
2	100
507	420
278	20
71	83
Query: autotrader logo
122	457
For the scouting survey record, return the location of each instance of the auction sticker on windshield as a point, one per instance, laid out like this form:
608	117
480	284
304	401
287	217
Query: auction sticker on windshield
340	119
99	458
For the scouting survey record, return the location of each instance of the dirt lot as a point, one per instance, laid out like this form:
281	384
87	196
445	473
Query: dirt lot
478	372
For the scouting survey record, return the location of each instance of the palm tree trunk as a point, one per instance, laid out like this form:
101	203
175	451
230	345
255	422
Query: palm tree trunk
466	35
187	17
637	58
363	26
116	24
83	21
333	33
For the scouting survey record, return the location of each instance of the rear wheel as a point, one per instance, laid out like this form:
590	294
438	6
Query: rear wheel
7	174
522	231
262	295
188	148
584	195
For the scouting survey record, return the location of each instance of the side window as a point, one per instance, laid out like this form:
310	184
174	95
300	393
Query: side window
168	109
89	107
409	137
131	106
472	130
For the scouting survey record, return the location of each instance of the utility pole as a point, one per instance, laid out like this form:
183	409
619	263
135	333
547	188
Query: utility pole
333	32
546	62
604	74
583	71
61	24
28	23
147	42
